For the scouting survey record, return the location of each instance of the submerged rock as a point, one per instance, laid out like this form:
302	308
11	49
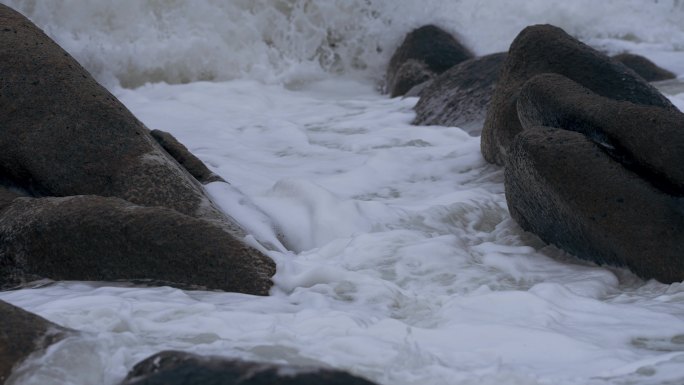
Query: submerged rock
179	368
548	49
461	95
432	51
565	188
22	334
182	155
92	238
644	67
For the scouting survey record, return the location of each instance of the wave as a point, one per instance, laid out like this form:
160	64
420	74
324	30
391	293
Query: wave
133	42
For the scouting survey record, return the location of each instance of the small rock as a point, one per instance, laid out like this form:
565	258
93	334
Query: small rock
644	67
436	49
179	368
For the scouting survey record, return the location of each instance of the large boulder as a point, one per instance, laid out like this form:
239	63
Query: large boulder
544	48
565	188
179	368
22	334
64	134
647	140
93	238
430	45
644	67
461	95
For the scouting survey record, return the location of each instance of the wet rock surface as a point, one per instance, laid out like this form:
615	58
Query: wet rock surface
22	334
179	368
64	135
461	95
565	188
644	67
432	51
92	238
182	155
547	49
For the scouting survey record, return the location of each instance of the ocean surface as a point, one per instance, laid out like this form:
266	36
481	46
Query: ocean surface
400	261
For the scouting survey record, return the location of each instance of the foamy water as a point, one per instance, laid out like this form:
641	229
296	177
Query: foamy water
401	262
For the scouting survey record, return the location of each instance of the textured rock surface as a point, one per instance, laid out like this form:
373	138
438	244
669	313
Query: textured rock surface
179	368
461	95
647	140
543	48
563	187
182	155
409	75
21	334
92	238
64	134
430	45
644	67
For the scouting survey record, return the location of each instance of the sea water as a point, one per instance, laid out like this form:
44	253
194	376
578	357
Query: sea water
399	261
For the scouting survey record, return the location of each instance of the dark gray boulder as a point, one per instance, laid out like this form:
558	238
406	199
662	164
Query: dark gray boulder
461	95
544	48
644	67
182	155
21	334
435	48
93	238
565	188
64	134
647	140
179	368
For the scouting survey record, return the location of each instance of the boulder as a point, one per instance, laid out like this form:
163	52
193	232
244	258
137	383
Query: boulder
430	45
565	188
93	238
64	134
647	140
182	155
22	334
179	368
544	48
461	95
644	67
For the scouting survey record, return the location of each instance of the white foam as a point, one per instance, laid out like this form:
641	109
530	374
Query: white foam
134	42
408	269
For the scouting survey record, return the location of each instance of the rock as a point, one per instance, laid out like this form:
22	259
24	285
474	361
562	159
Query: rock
182	155
64	134
22	334
545	48
644	67
429	45
7	196
410	74
417	90
647	140
179	368
92	238
460	96
563	187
